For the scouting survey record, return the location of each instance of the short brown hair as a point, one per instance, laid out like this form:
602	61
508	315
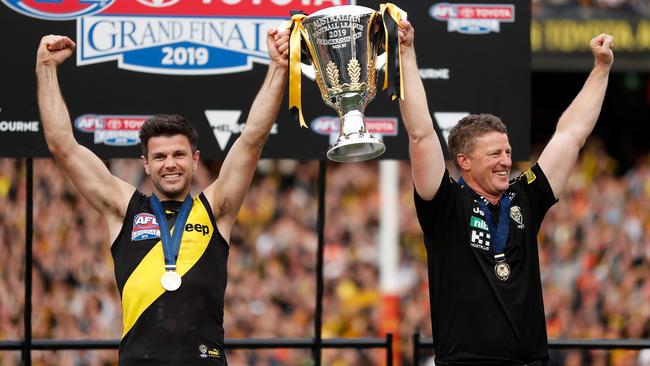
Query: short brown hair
166	125
462	136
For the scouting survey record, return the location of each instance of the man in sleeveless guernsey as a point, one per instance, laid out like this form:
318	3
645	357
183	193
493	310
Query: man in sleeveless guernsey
480	231
170	249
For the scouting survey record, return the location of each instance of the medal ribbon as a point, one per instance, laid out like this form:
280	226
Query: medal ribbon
171	243
500	233
391	16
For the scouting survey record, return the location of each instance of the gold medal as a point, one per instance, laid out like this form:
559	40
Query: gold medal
502	270
171	281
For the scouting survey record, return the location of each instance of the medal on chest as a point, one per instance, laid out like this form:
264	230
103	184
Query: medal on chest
171	280
496	236
502	268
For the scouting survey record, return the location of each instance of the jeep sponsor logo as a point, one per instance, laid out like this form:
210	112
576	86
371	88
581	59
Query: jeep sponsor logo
203	229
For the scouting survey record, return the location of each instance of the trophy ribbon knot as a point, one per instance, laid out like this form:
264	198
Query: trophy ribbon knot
393	74
297	34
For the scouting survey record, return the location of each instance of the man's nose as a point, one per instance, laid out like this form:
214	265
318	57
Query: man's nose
506	160
169	162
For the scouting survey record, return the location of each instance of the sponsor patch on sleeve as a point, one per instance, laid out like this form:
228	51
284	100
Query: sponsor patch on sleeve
530	176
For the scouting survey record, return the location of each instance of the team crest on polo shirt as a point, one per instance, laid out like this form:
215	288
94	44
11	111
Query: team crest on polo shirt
145	227
515	214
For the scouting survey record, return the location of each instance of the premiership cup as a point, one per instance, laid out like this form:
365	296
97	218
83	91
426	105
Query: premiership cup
343	44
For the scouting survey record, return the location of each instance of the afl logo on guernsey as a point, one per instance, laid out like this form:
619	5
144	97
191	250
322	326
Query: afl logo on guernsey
145	227
57	9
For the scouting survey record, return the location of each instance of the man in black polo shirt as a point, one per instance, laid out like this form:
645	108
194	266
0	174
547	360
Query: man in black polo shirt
480	231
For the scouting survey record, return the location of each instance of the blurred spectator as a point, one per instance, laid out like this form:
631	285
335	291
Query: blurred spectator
590	8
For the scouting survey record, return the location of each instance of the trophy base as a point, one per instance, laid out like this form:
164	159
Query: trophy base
357	148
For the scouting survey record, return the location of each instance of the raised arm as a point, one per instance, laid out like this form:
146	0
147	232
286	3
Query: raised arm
577	121
107	194
228	191
427	159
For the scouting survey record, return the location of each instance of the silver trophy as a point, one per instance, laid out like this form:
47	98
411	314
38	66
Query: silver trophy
342	43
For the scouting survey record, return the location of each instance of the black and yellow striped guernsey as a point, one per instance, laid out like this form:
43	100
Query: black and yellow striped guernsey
182	327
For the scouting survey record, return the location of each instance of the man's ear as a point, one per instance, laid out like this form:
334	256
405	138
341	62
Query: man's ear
145	163
195	157
464	162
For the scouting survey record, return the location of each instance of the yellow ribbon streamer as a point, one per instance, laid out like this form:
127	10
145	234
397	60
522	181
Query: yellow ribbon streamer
295	103
396	14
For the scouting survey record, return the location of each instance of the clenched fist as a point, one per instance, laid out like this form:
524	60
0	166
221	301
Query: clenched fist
53	50
601	48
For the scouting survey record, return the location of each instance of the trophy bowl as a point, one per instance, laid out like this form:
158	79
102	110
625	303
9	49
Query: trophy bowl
342	44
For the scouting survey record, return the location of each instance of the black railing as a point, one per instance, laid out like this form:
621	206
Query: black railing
235	343
420	343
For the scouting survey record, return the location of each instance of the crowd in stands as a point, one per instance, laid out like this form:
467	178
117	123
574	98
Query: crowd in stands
594	253
590	8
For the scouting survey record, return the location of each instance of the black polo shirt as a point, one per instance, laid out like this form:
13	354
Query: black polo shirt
476	318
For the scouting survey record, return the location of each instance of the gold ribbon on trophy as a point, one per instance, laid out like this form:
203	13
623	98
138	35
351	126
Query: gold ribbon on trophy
393	73
295	50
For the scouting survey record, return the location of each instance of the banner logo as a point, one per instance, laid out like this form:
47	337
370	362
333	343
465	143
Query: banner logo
19	126
473	18
158	3
57	9
224	125
446	121
172	37
377	126
185	37
112	130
